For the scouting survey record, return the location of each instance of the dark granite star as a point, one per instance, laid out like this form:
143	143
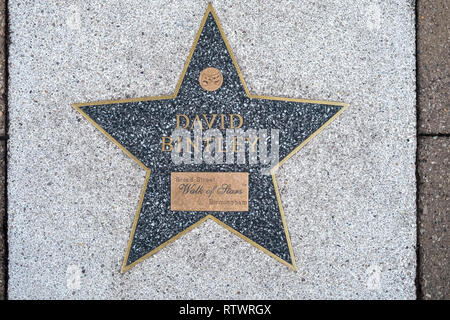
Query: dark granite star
137	125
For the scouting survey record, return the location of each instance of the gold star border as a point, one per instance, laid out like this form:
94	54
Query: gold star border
77	106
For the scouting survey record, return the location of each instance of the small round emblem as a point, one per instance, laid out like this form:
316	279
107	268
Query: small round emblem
211	79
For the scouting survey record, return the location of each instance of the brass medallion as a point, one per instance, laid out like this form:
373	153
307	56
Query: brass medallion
210	79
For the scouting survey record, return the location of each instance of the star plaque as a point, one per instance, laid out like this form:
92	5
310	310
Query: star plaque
210	151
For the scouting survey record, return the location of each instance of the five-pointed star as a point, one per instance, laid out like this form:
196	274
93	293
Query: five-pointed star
137	125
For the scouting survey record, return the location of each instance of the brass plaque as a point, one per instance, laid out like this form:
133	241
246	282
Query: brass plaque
209	191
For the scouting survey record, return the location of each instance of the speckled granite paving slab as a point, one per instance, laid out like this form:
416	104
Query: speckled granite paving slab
348	195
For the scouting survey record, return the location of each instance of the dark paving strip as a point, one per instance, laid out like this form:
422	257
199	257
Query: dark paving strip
433	128
3	245
433	74
434	218
433	149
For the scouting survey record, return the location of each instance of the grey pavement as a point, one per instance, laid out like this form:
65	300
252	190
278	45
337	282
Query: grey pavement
3	246
348	195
